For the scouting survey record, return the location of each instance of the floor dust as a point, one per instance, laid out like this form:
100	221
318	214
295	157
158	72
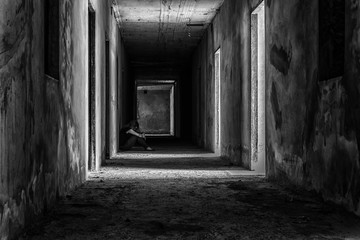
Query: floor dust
193	197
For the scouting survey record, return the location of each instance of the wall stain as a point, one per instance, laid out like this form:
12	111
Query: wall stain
275	107
311	111
281	58
331	108
20	7
47	154
4	94
268	2
341	179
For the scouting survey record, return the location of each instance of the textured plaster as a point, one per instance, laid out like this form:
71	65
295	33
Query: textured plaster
230	31
312	125
44	121
118	77
291	63
107	29
312	128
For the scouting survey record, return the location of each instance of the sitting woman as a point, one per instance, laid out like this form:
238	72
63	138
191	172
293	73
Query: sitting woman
130	135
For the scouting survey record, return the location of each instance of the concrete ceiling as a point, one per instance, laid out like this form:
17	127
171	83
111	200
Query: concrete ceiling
163	30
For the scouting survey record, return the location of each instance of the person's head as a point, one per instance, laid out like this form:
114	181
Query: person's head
133	124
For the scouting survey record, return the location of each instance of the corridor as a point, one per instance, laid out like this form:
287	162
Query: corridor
252	107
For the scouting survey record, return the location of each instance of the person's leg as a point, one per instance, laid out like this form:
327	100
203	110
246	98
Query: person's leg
129	143
142	142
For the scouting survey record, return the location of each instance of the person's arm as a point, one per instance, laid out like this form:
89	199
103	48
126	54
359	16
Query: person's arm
132	132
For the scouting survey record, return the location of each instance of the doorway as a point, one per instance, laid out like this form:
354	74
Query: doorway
258	89
155	107
217	101
107	97
92	123
52	38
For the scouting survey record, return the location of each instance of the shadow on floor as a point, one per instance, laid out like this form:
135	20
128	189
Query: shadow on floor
190	208
173	158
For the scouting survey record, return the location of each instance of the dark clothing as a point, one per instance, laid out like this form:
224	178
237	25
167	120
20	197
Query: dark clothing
123	136
132	141
127	140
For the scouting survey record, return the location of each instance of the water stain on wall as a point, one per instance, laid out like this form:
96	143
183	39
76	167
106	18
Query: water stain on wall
5	94
268	2
280	58
275	107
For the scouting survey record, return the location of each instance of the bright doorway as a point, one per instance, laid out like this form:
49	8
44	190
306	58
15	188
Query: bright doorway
258	89
155	107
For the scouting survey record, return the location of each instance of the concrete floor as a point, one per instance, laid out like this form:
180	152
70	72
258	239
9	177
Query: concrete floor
197	195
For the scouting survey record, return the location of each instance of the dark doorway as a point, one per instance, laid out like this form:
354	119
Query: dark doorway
52	42
117	97
331	39
92	120
107	98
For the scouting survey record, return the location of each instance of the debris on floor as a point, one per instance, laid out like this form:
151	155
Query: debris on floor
139	199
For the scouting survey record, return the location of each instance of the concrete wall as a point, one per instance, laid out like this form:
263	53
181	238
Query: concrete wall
107	30
292	72
312	125
230	31
44	121
101	9
118	79
351	191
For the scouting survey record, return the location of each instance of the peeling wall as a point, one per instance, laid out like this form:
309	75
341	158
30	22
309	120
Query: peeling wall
312	125
230	31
